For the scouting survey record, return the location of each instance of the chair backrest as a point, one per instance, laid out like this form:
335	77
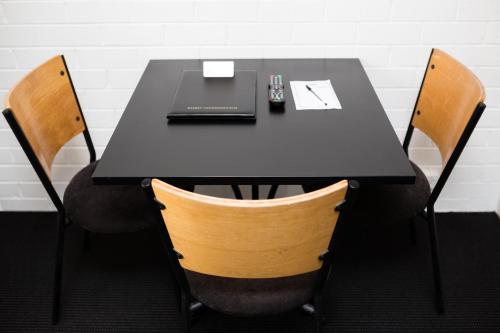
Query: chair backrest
46	109
250	238
449	95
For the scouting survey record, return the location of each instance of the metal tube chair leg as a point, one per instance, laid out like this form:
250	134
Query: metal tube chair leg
237	192
272	191
433	237
56	301
185	312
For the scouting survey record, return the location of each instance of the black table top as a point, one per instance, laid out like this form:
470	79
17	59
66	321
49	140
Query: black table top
290	147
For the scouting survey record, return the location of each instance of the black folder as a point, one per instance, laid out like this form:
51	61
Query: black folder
215	98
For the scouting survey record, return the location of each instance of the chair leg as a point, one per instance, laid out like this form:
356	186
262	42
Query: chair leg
56	301
185	312
431	220
237	192
272	191
86	240
318	314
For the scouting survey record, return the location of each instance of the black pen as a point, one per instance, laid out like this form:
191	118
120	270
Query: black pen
312	91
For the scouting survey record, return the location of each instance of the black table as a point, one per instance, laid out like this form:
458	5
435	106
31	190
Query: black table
290	147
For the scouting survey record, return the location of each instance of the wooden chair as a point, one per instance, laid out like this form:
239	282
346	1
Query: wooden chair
448	107
245	257
44	114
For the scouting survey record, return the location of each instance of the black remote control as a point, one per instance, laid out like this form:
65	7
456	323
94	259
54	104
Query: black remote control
276	90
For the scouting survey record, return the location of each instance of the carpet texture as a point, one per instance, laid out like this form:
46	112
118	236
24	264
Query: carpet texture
380	281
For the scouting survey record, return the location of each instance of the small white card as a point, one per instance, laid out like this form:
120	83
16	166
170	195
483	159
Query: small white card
314	95
218	69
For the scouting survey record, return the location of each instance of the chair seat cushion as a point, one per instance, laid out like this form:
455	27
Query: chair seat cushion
395	202
106	208
252	297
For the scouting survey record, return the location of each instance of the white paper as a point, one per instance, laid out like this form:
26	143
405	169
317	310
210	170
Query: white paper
218	69
306	100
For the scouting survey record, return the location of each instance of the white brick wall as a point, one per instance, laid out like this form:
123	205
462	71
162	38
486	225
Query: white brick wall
108	43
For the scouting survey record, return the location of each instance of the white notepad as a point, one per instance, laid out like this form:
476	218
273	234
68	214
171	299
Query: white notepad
305	99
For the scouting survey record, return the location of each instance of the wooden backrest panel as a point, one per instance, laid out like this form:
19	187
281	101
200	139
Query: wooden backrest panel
250	238
449	96
45	107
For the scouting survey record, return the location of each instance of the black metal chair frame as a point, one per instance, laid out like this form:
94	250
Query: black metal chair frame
188	305
428	213
62	220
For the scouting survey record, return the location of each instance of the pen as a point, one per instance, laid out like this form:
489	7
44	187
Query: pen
312	91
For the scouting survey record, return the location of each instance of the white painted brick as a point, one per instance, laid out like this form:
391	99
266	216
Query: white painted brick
490	118
397	98
102	119
198	34
330	33
89	78
99	11
405	10
260	34
231	52
493	97
5	156
23	204
130	11
105	99
227	11
410	56
294	52
3	20
389	33
13	173
489	76
90	58
35	12
357	10
7	138
453	33
145	54
29	58
492	33
163	11
124	78
8	78
7	59
479	10
393	78
291	11
9	190
125	35
53	35
373	56
476	55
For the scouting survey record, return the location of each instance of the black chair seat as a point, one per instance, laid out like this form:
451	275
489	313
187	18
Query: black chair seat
395	202
106	208
252	297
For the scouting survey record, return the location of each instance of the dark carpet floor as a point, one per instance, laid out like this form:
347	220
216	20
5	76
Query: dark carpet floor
381	282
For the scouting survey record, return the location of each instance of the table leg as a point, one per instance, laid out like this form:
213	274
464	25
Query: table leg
255	192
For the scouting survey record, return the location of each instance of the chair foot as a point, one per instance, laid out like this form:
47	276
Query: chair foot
56	300
433	237
272	191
